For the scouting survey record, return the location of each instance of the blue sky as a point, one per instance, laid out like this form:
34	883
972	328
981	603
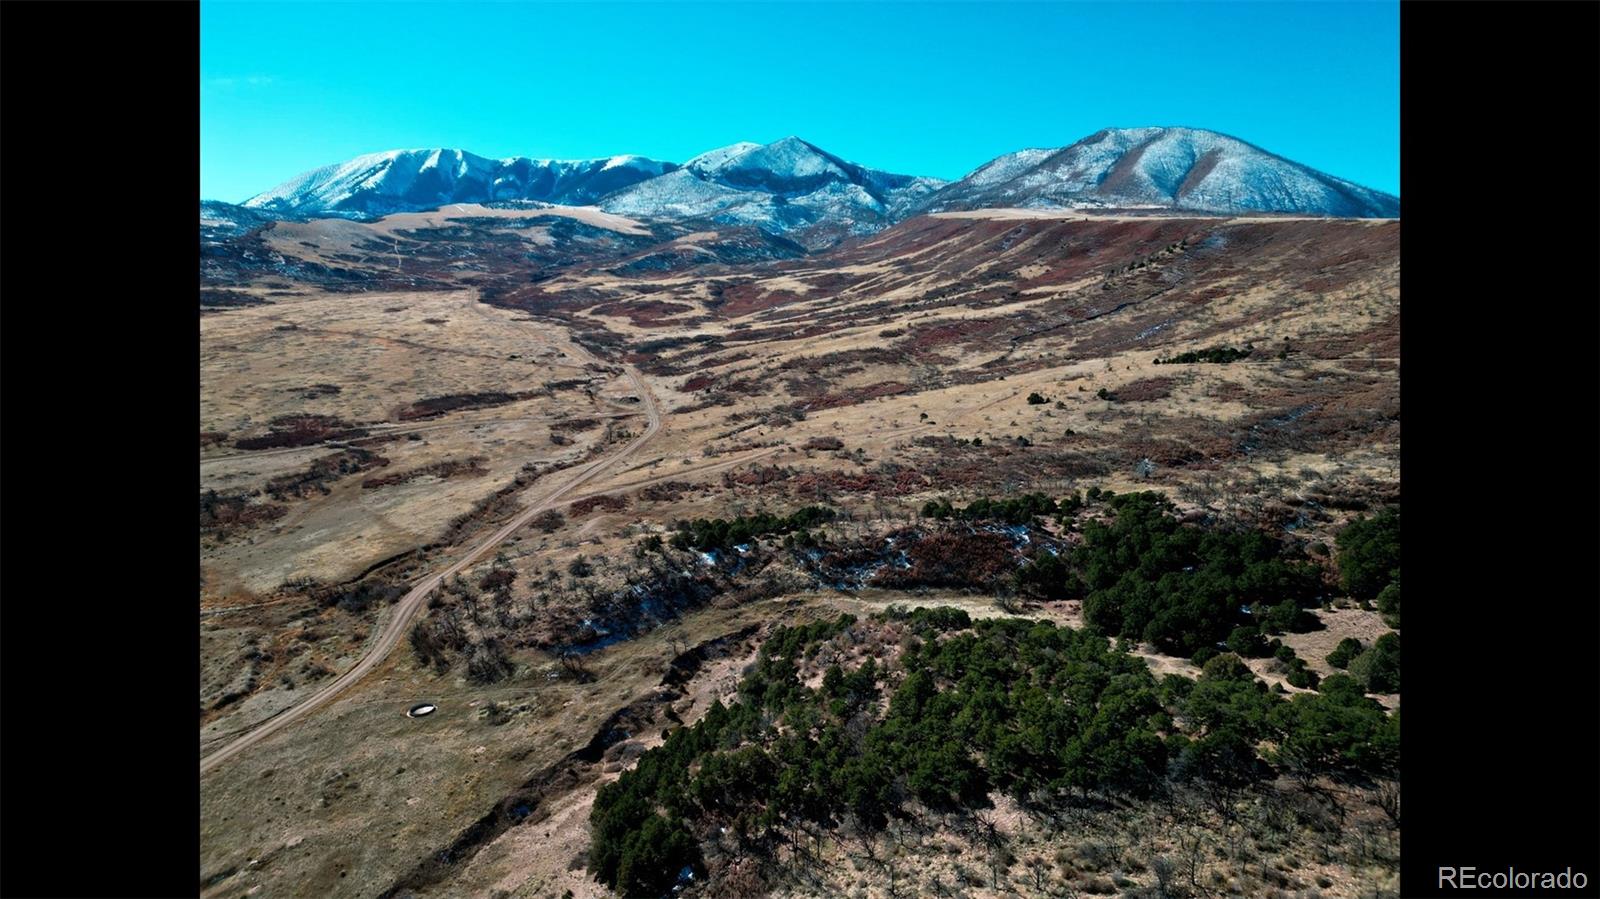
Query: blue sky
919	88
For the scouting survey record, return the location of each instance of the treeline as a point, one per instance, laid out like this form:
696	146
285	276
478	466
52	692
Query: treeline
1148	577
1220	355
1190	590
1048	715
1016	510
718	533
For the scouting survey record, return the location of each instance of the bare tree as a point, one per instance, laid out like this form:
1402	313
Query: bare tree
993	840
1387	799
576	664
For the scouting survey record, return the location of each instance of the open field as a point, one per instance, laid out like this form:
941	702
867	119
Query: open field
433	475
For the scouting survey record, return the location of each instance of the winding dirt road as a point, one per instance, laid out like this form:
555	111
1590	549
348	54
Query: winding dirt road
394	631
408	607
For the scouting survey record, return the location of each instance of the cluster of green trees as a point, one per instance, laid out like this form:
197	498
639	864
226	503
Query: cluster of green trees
1369	554
1022	509
641	842
1016	510
926	622
1389	603
1347	649
1042	713
1220	355
1250	642
802	539
1369	561
1046	575
1335	732
1246	641
1299	674
1232	728
1145	576
1377	669
718	533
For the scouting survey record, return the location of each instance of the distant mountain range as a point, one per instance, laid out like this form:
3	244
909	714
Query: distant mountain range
795	189
413	180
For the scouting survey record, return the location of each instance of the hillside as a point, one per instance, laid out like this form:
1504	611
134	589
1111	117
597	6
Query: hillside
660	458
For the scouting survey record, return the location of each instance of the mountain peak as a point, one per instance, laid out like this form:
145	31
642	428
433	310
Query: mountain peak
1175	168
790	186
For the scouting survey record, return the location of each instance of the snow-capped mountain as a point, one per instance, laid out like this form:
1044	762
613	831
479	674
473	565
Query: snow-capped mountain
793	189
1160	168
788	186
412	180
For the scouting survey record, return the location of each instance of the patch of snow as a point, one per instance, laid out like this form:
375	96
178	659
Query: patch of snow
415	180
711	160
1161	168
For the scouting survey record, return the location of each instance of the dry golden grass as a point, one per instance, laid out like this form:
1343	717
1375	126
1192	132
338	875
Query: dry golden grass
421	782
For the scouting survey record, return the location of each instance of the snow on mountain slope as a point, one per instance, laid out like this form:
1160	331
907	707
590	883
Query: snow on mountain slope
1161	168
413	180
711	159
797	190
1004	168
789	187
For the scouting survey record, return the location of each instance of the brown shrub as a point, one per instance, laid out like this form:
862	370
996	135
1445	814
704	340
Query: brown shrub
667	491
472	467
605	502
301	430
329	468
858	395
498	579
755	476
1146	390
226	514
439	405
952	559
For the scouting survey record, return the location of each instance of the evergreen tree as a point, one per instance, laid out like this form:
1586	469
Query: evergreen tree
1369	554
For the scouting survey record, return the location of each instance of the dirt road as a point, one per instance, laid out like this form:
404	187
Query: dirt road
404	611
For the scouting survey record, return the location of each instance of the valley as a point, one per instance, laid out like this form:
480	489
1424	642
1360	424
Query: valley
565	470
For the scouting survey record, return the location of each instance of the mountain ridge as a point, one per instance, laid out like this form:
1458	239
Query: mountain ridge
796	189
418	179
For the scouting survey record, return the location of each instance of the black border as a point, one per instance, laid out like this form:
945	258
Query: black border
1500	298
1502	308
100	793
